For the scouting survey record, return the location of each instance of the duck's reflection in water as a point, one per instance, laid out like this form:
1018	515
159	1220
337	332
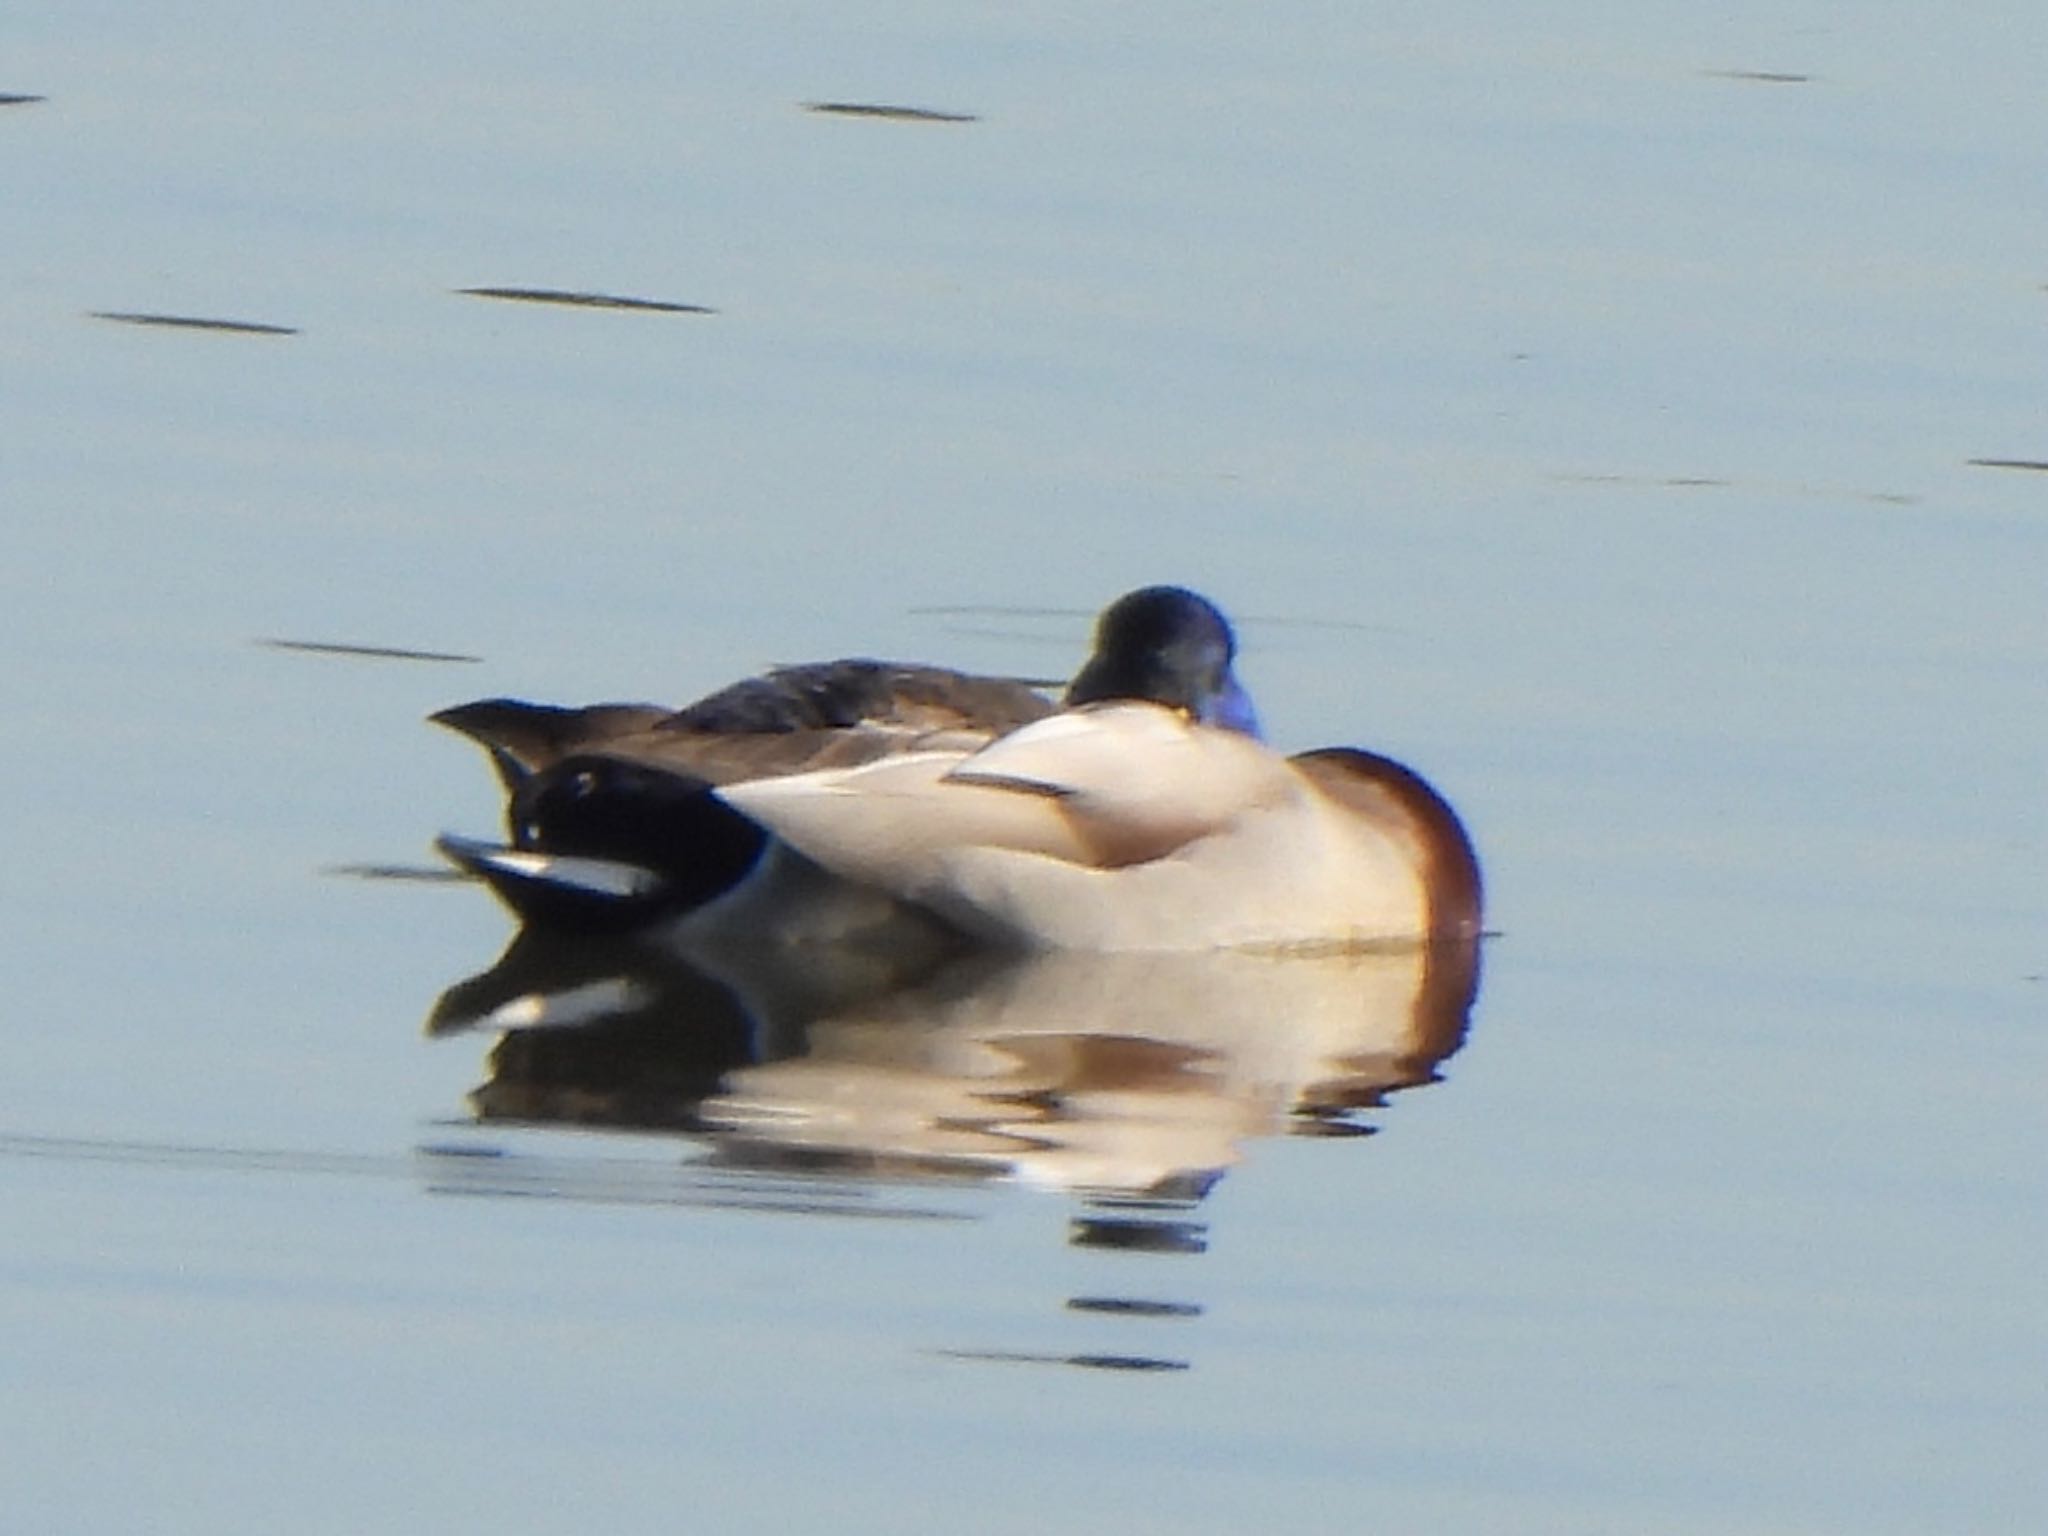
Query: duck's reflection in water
1131	1082
1132	1076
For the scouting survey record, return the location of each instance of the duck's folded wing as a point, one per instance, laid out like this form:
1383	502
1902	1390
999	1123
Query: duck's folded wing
881	824
1099	788
1135	782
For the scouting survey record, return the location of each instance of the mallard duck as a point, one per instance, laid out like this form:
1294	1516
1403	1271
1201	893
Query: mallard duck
628	766
1145	816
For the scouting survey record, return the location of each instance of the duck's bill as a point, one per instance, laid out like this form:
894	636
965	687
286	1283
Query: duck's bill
1232	709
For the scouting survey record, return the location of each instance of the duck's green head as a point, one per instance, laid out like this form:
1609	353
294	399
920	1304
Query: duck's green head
1172	647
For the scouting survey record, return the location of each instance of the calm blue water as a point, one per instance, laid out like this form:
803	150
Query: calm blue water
1566	411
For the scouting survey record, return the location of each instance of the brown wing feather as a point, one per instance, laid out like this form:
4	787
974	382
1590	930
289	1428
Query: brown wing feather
834	714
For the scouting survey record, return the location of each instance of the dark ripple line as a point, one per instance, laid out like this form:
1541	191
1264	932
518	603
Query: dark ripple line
12	99
1089	1362
1133	1306
1759	76
2039	464
416	874
378	652
1021	611
894	114
180	1155
507	1177
587	300
193	323
544	1188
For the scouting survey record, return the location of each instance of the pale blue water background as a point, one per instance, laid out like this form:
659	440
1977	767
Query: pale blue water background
1728	1219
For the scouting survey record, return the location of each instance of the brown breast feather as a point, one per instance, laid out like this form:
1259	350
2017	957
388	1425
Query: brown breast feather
1398	798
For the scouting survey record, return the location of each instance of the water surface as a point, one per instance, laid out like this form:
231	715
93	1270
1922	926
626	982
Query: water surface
1590	412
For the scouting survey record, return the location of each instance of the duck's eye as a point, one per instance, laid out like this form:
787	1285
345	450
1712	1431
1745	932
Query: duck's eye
583	784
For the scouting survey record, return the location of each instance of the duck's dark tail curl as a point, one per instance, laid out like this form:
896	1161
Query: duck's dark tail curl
600	845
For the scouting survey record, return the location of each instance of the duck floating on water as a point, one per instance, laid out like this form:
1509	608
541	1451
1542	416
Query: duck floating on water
1144	814
620	782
